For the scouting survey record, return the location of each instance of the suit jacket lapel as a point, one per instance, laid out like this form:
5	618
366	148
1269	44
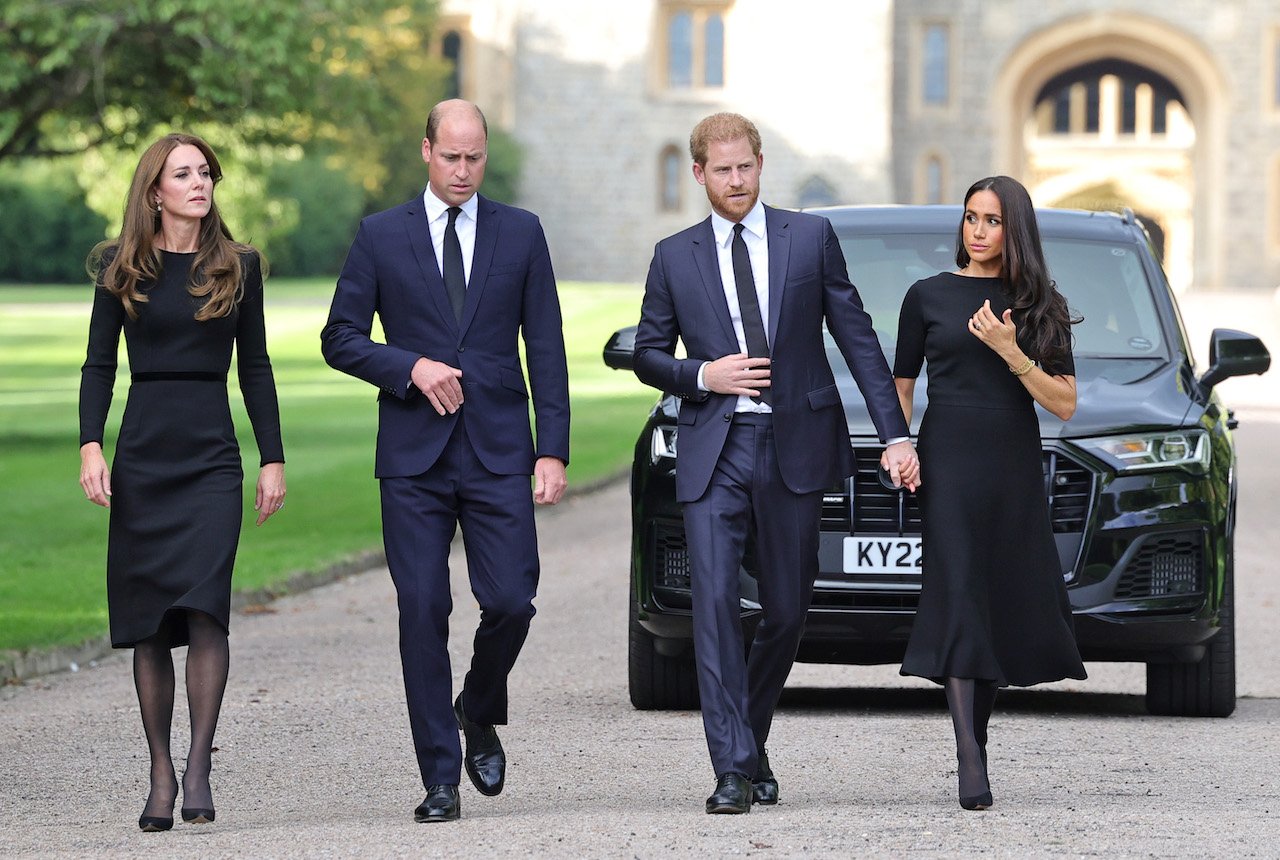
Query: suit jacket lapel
708	262
425	253
779	239
487	224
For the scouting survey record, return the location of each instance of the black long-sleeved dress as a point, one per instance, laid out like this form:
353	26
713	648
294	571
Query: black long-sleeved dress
993	604
176	479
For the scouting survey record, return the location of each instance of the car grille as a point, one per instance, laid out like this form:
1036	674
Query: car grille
875	509
1165	565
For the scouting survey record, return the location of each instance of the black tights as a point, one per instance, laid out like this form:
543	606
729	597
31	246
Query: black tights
208	658
971	703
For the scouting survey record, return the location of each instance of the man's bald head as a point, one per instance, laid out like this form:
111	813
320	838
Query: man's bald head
450	109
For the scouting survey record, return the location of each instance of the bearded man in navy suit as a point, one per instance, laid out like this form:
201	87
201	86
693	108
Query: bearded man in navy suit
456	280
761	426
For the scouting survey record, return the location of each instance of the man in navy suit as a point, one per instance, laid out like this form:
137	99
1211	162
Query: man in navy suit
455	280
762	431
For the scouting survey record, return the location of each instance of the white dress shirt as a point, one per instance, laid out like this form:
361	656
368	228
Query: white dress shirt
753	234
438	218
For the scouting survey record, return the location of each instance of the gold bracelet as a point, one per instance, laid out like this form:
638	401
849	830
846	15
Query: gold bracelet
1026	368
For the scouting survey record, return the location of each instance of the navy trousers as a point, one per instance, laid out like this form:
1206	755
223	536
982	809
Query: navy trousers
747	496
419	517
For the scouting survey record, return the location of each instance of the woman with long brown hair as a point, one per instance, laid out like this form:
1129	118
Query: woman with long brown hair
997	336
184	293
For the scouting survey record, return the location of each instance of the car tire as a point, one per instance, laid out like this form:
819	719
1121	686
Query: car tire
657	682
1206	688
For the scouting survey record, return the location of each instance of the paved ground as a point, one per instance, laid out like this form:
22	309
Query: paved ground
315	758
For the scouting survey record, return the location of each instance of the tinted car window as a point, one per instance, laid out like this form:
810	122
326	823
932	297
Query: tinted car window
1102	281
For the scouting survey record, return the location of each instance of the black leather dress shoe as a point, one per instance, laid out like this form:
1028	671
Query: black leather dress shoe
441	804
764	788
731	797
484	759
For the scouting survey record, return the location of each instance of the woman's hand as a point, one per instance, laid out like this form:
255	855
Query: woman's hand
999	333
95	477
270	497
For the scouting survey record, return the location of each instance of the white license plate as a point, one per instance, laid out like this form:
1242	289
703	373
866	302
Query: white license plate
882	555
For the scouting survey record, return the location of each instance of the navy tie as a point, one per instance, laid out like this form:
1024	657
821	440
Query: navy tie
749	304
455	279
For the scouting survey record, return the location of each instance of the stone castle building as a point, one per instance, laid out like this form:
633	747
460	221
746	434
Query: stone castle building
1171	109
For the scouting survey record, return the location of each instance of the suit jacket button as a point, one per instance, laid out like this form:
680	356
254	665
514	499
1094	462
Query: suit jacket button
728	416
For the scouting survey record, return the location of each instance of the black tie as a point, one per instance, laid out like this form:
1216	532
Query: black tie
455	280
749	304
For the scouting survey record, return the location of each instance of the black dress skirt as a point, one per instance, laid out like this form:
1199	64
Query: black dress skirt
176	477
993	605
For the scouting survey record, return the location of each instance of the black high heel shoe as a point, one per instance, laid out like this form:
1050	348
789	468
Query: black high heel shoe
154	823
196	816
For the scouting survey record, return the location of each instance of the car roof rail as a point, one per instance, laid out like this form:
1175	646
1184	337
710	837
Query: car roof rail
1126	214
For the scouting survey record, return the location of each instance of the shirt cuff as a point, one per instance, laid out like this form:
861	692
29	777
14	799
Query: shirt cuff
702	386
896	439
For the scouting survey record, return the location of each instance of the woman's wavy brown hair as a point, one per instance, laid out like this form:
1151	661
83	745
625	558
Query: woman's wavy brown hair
133	257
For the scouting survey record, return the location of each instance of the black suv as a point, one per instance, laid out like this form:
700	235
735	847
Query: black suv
1141	482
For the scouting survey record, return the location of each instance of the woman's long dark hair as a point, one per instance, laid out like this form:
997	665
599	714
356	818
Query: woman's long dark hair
132	258
1039	311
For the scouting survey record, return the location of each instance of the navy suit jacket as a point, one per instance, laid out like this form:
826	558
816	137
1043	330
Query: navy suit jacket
808	281
391	270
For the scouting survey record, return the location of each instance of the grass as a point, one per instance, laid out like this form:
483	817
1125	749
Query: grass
53	542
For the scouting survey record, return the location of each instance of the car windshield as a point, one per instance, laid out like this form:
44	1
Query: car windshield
1103	282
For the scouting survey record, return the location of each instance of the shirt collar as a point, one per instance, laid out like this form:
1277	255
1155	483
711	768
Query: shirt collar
753	223
436	208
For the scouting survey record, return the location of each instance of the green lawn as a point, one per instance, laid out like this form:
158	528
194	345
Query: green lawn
53	542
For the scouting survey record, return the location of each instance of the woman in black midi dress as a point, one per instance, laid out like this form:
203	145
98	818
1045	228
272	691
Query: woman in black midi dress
184	294
996	334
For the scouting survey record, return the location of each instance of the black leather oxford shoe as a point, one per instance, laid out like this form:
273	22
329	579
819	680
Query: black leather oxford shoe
484	759
764	788
441	804
731	797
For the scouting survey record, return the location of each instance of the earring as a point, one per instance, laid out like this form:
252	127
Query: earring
158	206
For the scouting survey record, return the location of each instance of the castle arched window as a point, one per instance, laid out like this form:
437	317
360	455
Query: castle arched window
680	50
670	179
693	43
816	191
936	65
933	193
451	50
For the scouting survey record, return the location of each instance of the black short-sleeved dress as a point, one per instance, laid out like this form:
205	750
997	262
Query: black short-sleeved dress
176	478
993	605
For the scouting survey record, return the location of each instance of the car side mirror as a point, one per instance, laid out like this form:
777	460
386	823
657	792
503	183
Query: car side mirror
619	352
1234	353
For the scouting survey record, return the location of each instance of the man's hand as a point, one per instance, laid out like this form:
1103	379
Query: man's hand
439	382
548	480
902	464
737	374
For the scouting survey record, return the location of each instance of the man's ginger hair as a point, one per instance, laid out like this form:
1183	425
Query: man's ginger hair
722	127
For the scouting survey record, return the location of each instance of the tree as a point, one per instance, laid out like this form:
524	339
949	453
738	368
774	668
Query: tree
77	73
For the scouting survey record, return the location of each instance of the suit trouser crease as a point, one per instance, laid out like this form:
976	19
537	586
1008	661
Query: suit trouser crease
420	515
747	492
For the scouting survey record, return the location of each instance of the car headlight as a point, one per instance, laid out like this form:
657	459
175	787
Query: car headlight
1143	452
663	444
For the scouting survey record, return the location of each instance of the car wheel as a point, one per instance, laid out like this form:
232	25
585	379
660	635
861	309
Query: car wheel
1206	688
657	682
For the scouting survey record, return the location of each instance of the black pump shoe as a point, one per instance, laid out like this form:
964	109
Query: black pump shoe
197	816
154	824
979	802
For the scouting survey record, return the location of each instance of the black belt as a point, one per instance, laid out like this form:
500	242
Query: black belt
760	419
179	376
